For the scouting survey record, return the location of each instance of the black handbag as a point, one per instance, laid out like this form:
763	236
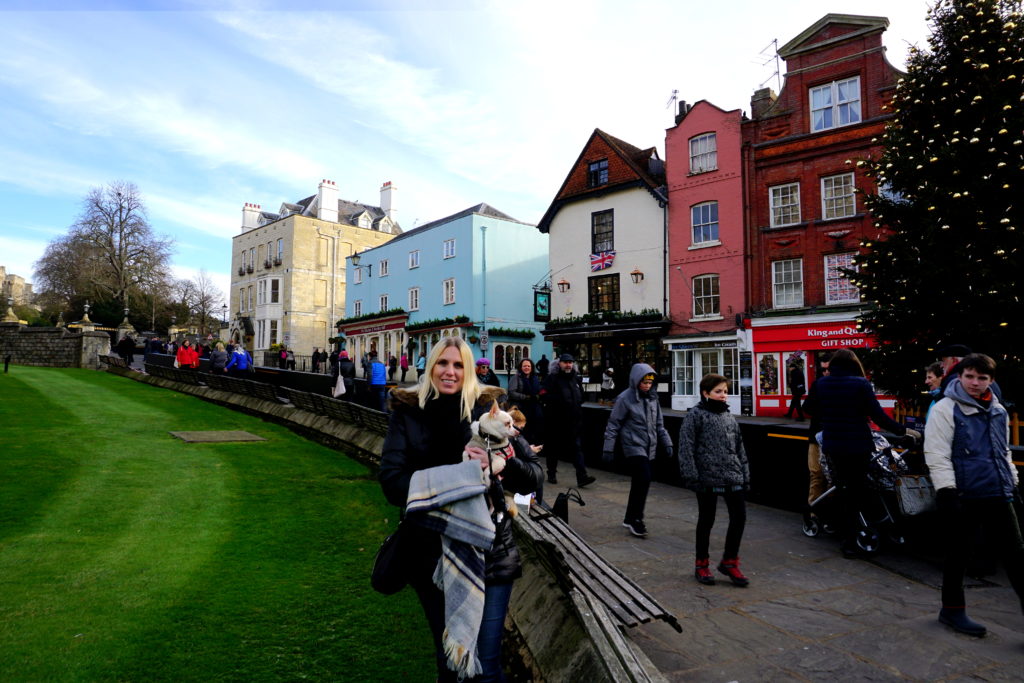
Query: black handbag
391	566
561	506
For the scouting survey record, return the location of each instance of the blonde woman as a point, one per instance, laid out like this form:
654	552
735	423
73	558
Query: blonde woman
429	428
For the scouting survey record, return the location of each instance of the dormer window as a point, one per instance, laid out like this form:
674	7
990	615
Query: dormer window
835	104
597	173
364	221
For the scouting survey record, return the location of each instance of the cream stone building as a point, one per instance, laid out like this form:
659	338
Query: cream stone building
15	287
288	268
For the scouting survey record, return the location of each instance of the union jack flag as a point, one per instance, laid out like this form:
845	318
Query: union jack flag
602	260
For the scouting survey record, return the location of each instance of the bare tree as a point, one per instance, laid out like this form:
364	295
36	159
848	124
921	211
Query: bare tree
202	298
110	252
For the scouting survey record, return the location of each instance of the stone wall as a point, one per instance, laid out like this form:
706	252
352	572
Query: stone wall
55	347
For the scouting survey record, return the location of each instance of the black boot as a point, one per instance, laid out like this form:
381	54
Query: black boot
956	618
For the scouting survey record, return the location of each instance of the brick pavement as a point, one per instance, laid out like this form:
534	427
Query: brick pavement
809	614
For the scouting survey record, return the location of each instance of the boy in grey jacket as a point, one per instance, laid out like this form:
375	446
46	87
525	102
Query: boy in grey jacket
636	420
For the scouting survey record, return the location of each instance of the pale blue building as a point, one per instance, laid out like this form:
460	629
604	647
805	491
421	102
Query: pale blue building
477	270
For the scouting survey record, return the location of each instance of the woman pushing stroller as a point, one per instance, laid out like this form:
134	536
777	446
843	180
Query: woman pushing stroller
843	402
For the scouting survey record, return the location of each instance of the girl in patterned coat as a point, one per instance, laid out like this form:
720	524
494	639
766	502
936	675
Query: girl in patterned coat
713	462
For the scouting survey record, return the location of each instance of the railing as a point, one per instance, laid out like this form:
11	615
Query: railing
303	363
900	413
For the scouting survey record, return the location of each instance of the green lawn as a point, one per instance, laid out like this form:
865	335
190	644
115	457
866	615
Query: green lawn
129	555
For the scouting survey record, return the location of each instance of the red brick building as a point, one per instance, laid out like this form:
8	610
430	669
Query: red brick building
805	213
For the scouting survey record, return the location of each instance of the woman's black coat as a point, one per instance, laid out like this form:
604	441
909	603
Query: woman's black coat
406	451
842	404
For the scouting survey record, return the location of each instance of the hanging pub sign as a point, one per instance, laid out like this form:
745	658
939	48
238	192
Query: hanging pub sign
541	306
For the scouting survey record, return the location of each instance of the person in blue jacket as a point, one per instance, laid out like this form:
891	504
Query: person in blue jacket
240	363
378	383
967	449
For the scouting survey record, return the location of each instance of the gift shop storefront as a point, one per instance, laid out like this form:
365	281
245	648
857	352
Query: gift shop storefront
776	341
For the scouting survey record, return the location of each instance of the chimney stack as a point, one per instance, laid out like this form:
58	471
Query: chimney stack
327	201
387	200
250	216
761	102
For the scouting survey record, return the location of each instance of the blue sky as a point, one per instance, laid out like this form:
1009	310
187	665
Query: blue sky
208	105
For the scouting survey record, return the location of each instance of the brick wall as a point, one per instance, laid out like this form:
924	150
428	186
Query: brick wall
54	347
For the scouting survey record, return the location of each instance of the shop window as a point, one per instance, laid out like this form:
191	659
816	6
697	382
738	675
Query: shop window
499	357
768	374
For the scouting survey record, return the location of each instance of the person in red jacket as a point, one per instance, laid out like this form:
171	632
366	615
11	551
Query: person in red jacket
187	356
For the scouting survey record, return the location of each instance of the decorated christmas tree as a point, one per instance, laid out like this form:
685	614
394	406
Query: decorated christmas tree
946	264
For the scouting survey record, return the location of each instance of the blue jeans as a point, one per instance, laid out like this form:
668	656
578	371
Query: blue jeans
492	629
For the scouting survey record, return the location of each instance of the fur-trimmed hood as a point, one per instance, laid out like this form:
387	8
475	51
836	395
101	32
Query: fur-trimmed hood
410	397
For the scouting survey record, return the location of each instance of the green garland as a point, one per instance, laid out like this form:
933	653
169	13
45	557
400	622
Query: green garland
646	315
508	332
436	322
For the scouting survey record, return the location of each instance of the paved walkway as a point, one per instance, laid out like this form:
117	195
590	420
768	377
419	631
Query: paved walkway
808	614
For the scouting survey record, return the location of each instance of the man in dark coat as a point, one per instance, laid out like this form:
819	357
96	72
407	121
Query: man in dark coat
562	398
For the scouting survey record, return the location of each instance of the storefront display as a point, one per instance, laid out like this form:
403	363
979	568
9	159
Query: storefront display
775	342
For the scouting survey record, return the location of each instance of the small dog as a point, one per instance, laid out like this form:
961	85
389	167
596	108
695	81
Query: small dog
492	433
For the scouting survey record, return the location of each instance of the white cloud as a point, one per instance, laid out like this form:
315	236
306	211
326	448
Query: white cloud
18	255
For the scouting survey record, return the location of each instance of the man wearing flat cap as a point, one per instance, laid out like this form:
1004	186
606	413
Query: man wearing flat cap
562	398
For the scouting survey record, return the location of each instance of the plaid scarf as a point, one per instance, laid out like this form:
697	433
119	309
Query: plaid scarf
449	499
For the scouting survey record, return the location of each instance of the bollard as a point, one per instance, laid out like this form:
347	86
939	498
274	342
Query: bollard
7	361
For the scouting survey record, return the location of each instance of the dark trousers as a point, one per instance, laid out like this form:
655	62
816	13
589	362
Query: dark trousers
565	442
735	502
1002	530
377	400
640	469
852	494
492	628
794	405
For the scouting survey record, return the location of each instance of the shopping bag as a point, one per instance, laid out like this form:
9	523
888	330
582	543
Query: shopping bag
339	387
915	494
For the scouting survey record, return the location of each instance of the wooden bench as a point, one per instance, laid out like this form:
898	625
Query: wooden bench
303	400
574	564
160	371
262	390
216	382
337	409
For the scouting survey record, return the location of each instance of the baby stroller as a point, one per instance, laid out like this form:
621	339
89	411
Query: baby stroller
877	521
